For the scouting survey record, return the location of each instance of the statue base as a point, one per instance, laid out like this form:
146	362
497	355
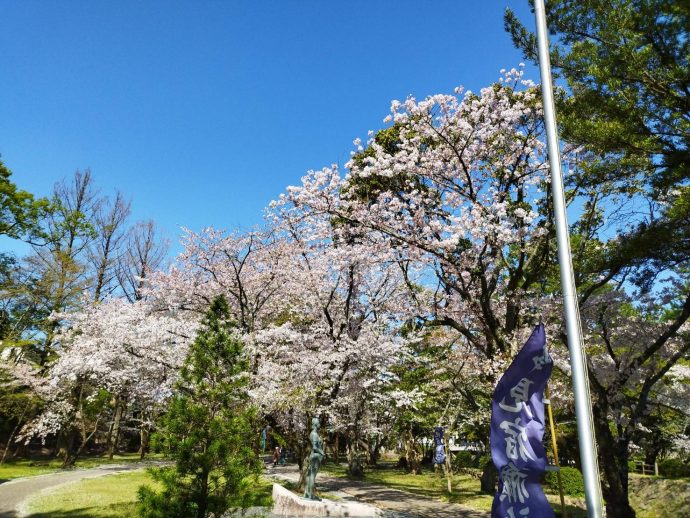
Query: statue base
286	504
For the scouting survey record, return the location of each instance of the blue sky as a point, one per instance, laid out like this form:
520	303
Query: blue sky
202	112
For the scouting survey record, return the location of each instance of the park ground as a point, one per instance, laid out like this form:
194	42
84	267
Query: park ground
101	488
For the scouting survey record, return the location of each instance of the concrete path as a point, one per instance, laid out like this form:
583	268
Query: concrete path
400	504
15	491
396	503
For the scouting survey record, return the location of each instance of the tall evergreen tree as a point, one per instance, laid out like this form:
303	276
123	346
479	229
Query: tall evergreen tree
208	429
626	64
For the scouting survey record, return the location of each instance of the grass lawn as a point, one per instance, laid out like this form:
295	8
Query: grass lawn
655	497
651	497
15	468
112	496
109	496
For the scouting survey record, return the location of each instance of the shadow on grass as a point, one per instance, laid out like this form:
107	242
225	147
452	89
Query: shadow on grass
571	511
432	486
74	513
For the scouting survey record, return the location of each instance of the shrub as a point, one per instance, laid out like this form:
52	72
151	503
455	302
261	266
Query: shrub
207	429
485	460
674	468
465	459
573	483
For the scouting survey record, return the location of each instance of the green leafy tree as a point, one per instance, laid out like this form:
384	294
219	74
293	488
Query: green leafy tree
208	430
21	216
20	212
626	65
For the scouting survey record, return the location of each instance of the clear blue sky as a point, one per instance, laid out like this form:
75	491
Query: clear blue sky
203	111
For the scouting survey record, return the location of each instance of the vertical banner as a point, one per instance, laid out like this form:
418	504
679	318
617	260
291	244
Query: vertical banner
439	450
517	429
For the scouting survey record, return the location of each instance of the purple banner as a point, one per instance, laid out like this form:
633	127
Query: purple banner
439	449
517	429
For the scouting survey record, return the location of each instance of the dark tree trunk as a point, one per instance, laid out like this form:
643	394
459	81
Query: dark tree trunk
72	457
336	452
303	473
202	503
651	455
13	433
302	463
489	479
613	460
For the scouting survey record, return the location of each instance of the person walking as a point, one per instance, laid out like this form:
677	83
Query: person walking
276	456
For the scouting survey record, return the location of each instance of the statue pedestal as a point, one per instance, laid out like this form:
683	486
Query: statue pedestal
287	504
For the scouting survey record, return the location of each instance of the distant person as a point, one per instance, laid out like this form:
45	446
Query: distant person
276	456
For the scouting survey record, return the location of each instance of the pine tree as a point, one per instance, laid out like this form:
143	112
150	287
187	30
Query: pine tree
208	429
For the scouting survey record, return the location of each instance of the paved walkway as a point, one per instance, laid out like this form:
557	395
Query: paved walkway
398	503
15	491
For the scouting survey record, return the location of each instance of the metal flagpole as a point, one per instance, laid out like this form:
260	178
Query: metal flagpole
583	404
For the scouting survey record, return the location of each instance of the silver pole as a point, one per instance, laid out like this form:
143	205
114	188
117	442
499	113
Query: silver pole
583	404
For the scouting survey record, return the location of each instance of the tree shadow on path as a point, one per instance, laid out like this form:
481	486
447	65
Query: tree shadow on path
403	502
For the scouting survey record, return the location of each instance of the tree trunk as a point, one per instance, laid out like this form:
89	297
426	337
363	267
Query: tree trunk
202	502
354	463
412	455
448	465
302	464
336	456
114	434
303	473
65	445
489	479
613	459
374	448
144	440
650	456
11	437
71	458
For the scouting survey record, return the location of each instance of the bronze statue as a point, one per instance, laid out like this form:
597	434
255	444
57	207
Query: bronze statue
315	459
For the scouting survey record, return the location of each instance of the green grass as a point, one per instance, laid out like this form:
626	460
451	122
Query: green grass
15	468
25	468
112	496
108	496
655	497
651	497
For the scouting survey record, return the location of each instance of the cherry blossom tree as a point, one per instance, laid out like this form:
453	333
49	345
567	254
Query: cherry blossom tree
454	194
320	315
128	352
633	347
242	266
458	190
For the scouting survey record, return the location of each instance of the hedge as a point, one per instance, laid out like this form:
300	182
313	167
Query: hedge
573	483
674	468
